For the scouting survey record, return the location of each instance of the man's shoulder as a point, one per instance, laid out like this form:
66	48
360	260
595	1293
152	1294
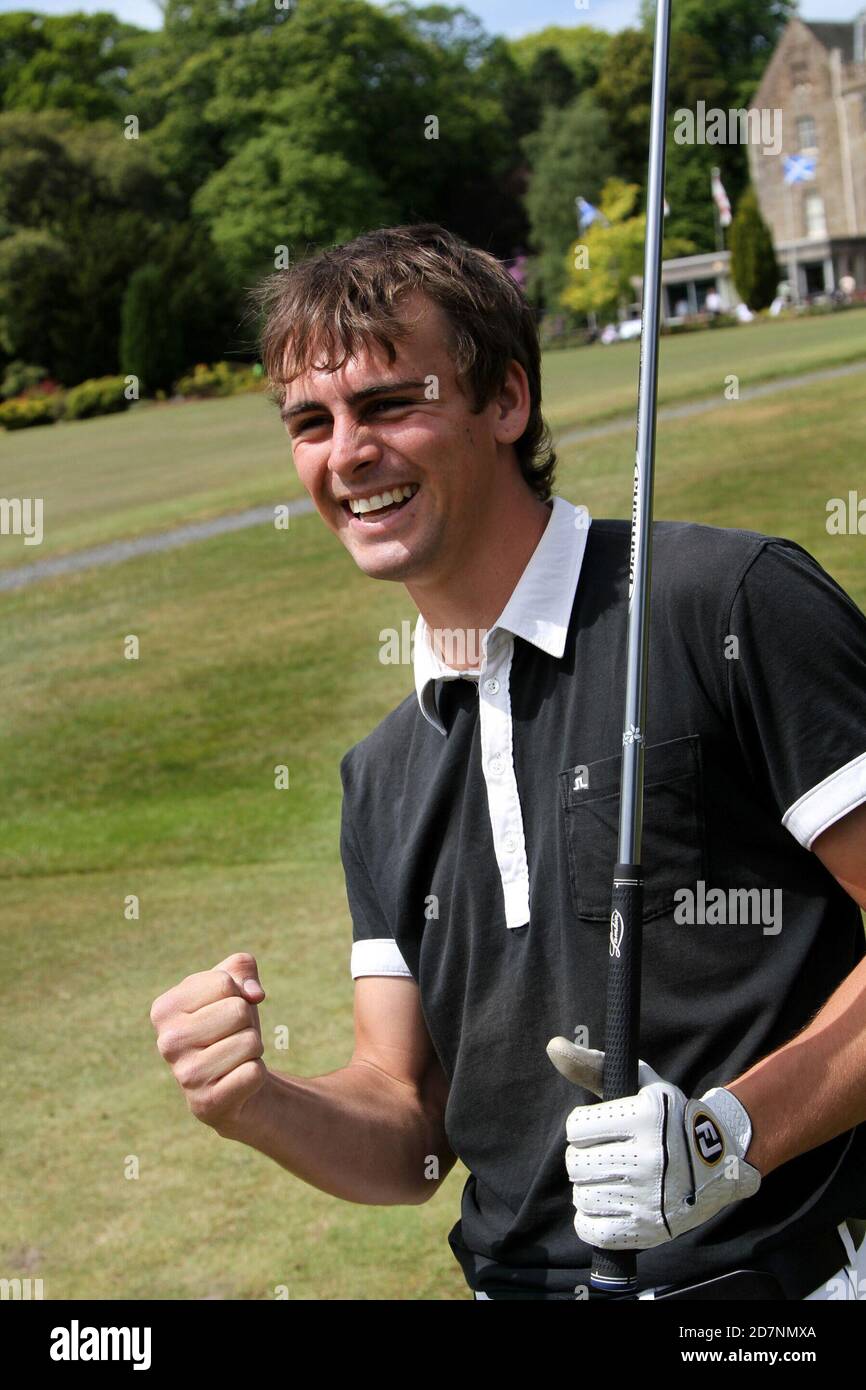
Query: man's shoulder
675	539
388	745
690	557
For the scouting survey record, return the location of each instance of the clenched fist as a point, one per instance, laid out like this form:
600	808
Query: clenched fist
208	1031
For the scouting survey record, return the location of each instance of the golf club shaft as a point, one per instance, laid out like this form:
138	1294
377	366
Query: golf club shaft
614	1271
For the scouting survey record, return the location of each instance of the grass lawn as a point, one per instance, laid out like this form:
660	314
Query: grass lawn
158	466
155	778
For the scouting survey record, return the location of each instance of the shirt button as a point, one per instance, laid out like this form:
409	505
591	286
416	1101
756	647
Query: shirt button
510	843
495	766
491	686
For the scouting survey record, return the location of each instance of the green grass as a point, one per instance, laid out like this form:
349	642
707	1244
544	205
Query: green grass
148	469
158	466
155	778
583	386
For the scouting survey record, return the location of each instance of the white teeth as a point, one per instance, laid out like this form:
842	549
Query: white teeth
359	505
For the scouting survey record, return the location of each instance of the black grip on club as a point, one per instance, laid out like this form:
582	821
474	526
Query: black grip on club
615	1271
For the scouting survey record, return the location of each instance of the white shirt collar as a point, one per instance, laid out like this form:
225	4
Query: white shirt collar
539	609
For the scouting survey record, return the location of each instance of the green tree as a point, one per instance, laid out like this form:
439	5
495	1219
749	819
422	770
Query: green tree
581	46
743	32
78	63
98	202
34	272
177	310
346	136
151	343
570	157
602	263
754	268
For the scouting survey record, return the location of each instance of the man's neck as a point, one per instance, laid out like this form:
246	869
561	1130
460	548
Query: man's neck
472	597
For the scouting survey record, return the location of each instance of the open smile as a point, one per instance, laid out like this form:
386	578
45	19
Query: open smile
376	511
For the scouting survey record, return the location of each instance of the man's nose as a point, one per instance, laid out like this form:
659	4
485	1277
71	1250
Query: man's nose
353	445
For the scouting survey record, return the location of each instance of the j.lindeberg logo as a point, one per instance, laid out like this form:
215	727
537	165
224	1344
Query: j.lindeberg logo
76	1343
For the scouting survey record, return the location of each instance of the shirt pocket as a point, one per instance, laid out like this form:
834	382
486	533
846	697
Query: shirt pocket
673	851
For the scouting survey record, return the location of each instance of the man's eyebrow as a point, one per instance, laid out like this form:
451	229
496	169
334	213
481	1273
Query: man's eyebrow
288	412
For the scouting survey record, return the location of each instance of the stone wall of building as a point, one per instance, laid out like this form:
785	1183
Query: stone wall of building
821	95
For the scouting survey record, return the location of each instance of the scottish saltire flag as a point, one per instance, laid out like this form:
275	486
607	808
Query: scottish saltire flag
798	168
587	214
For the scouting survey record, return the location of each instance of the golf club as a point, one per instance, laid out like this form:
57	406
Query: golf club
615	1271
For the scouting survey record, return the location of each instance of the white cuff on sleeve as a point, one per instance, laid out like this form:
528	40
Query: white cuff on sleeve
380	956
816	810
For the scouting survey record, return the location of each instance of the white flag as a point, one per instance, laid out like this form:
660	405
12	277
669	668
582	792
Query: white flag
720	198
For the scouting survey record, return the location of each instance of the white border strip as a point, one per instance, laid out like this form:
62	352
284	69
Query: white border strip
816	810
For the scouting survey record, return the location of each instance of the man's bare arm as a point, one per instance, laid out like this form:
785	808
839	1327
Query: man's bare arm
371	1132
814	1087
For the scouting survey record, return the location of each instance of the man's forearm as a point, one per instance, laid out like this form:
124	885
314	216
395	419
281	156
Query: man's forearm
814	1087
356	1133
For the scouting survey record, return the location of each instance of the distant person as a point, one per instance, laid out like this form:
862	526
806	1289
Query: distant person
713	303
479	832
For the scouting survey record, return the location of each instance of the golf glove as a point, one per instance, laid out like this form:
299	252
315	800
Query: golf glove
650	1166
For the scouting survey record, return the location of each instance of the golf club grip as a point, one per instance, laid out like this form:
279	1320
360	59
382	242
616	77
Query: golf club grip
615	1270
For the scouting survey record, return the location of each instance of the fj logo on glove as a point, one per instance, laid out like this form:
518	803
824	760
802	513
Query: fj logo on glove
707	1139
617	931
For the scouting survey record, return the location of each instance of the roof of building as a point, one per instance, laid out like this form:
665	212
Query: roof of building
833	35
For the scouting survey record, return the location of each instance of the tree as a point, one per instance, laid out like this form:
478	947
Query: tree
582	47
34	271
605	259
178	309
373	116
78	63
570	157
151	345
754	267
99	202
744	32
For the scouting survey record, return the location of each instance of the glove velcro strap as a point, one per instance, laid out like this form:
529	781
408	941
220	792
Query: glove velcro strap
733	1115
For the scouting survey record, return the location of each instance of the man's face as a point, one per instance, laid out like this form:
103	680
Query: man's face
412	429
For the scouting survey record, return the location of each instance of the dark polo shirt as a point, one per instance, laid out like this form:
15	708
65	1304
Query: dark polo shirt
754	747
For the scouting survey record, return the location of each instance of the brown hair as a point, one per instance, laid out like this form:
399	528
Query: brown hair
345	295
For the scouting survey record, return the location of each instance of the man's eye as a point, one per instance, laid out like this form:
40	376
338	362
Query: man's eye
315	420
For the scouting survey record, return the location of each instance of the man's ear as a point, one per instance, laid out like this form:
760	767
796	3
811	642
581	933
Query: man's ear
513	404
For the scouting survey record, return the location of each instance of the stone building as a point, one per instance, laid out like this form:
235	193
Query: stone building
816	81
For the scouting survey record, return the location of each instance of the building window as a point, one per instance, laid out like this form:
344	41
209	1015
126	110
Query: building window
807	133
816	221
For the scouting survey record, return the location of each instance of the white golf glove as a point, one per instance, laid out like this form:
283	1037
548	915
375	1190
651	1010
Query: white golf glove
650	1166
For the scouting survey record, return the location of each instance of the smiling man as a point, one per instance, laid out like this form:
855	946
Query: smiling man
479	832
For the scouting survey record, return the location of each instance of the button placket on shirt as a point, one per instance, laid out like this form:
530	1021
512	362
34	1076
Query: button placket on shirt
497	757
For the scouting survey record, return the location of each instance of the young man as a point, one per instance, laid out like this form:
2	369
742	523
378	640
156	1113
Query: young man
479	831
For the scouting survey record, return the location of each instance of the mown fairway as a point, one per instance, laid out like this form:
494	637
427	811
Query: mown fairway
155	777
